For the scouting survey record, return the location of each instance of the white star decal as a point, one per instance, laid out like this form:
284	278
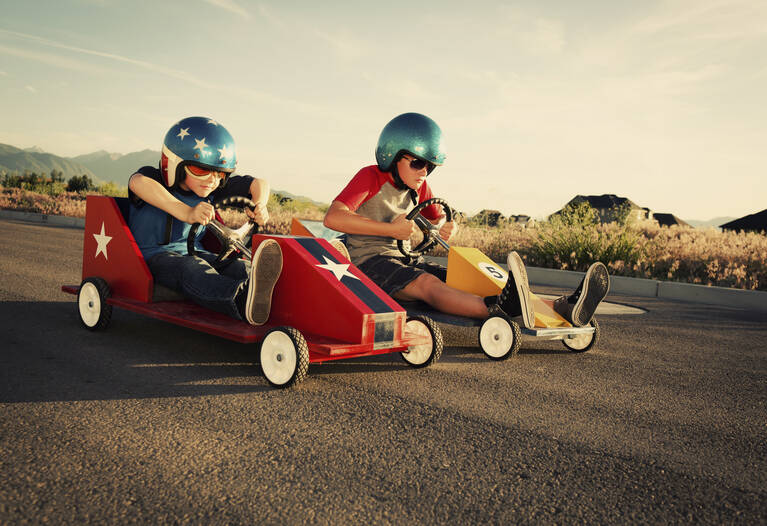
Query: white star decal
103	241
200	145
224	152
338	269
211	121
183	133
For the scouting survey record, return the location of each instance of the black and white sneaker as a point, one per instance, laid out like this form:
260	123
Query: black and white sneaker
265	270
514	299
580	306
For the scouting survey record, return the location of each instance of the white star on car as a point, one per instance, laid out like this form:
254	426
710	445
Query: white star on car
183	133
102	241
339	270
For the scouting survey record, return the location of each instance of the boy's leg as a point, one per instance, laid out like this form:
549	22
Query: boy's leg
197	280
421	281
265	270
580	306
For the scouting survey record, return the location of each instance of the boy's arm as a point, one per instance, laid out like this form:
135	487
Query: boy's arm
259	194
339	217
154	193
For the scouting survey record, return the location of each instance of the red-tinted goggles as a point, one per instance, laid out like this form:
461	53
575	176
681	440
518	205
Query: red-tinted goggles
203	173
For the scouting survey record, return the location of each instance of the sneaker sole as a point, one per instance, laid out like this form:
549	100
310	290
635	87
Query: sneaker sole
596	283
266	268
517	269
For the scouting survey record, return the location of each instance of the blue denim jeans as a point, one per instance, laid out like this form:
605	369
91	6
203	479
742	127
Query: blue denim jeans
214	287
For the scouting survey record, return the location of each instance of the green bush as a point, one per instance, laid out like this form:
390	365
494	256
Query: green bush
574	239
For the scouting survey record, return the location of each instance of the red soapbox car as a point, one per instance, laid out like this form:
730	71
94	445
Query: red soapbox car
323	307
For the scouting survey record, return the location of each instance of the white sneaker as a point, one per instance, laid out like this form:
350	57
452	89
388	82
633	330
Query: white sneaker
265	269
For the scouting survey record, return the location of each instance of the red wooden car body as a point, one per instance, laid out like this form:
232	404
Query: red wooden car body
337	309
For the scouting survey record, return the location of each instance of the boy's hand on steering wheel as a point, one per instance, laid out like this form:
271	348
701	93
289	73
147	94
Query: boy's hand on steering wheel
403	228
448	230
202	213
259	215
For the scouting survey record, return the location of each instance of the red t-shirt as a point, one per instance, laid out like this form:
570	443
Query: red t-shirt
368	182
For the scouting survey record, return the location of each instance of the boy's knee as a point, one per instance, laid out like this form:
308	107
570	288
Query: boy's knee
425	285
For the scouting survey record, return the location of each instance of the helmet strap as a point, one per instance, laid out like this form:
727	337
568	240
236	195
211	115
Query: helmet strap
400	184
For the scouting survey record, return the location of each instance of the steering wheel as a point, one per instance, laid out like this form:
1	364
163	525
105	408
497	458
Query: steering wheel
430	231
231	239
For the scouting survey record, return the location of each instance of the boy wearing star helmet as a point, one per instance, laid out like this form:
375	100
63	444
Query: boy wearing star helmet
371	210
196	166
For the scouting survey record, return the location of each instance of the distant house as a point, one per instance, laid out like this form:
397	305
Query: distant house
521	219
751	223
606	204
668	220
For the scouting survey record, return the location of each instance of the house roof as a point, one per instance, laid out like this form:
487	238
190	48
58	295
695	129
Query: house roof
750	223
668	219
603	201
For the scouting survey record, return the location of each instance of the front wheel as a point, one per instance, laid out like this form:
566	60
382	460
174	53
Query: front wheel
584	342
430	350
499	337
95	312
284	357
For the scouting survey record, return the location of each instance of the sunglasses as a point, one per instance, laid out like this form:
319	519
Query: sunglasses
203	173
420	164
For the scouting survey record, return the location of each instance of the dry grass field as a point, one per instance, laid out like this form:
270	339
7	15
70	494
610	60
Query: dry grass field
572	242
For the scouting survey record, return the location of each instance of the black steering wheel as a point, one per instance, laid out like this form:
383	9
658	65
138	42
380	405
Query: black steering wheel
430	231
231	239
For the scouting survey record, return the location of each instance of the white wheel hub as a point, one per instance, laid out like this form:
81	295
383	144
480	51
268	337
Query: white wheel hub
579	342
418	354
496	337
279	357
89	303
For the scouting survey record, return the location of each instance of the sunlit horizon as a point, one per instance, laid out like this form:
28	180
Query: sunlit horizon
659	102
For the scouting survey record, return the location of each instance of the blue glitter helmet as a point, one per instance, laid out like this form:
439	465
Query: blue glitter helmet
200	141
411	133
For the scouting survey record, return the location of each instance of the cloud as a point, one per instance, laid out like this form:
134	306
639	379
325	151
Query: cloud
50	59
345	45
231	6
30	89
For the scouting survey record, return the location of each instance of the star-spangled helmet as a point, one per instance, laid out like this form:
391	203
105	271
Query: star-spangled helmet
411	133
200	141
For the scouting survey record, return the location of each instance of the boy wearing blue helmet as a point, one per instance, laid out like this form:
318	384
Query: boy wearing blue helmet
196	166
371	210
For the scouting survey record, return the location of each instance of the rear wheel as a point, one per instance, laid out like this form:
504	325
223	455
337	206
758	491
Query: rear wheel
284	357
499	337
430	350
95	312
584	342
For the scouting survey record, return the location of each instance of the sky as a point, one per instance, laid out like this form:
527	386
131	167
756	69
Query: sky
659	101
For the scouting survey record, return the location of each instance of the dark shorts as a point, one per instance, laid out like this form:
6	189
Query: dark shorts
393	274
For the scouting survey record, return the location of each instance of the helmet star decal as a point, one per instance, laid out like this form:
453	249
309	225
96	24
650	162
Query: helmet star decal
339	270
200	145
224	152
183	133
102	241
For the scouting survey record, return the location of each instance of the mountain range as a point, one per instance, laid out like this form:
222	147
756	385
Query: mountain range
103	166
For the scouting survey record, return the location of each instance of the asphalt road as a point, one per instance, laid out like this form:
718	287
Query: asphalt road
146	422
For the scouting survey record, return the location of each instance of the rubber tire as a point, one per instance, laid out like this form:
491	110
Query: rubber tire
594	340
301	350
436	339
97	292
516	341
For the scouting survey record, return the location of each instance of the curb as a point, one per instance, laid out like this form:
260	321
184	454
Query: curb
647	288
650	288
32	217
